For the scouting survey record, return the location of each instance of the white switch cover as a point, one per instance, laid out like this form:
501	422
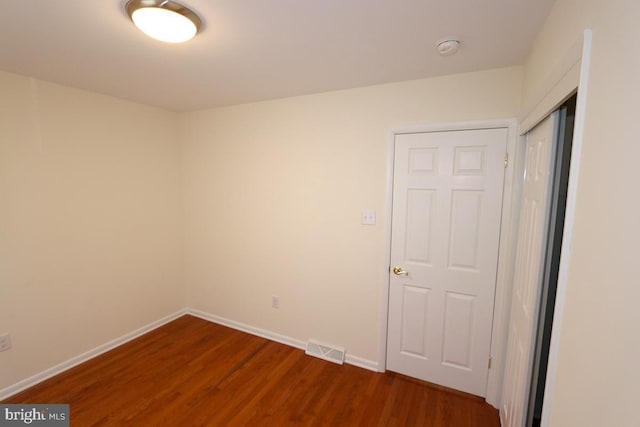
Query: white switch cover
5	342
368	217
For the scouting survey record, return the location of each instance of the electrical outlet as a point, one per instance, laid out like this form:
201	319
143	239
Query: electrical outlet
275	301
5	342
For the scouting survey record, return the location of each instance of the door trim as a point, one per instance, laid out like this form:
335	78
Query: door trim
503	288
569	221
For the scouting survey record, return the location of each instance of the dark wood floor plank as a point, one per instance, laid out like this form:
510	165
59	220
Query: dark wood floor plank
191	372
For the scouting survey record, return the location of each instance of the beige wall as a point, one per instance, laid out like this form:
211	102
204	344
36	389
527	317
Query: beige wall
90	246
274	191
597	376
90	243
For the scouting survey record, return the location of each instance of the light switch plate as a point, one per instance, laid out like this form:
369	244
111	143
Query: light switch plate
368	217
5	342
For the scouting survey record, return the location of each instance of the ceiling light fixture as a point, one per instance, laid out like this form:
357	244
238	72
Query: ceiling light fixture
164	20
448	46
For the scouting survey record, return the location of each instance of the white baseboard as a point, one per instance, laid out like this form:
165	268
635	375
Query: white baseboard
282	339
74	361
360	362
272	336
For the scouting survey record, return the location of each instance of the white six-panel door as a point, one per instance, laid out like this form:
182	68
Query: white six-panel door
532	238
447	204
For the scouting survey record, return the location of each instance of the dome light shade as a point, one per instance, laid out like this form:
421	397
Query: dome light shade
166	20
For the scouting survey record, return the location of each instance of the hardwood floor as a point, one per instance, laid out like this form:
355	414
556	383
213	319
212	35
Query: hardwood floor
191	372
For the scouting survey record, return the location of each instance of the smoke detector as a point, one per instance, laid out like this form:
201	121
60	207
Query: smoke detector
448	46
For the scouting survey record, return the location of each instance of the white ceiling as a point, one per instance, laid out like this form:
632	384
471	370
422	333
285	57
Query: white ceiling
253	50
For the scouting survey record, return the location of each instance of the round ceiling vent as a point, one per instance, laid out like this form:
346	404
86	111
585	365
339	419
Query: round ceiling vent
448	46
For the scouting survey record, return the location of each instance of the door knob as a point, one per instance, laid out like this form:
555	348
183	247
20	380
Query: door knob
398	271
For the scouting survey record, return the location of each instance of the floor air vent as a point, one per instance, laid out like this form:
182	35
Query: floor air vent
325	351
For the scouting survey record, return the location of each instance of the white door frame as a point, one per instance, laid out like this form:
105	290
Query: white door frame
503	290
561	90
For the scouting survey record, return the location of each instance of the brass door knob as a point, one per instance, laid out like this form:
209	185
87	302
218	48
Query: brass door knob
398	271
